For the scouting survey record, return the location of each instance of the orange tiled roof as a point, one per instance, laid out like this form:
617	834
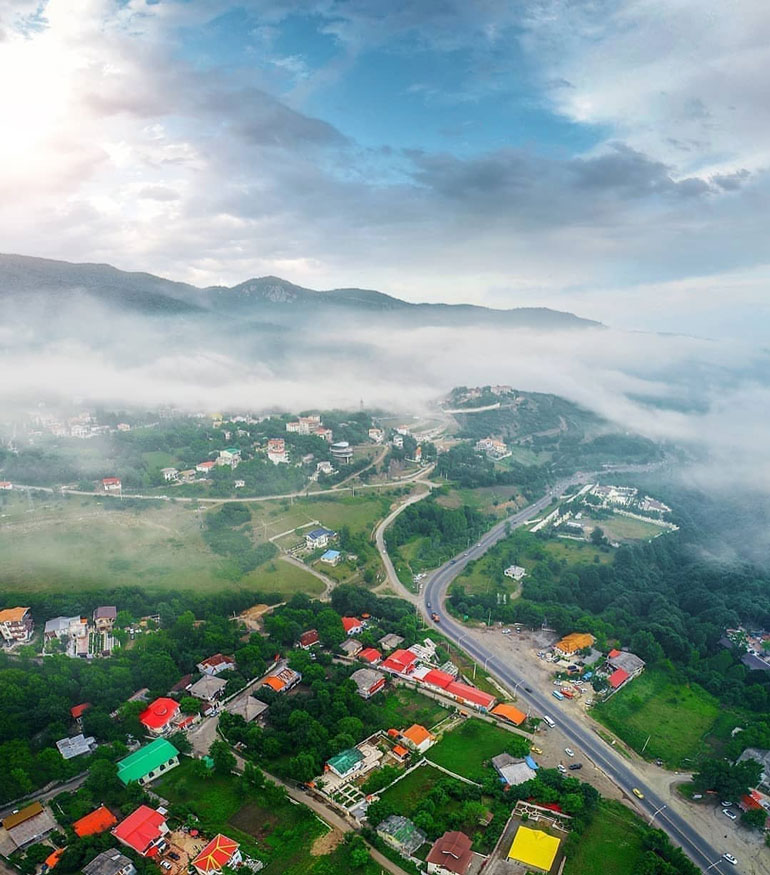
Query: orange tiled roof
97	821
416	734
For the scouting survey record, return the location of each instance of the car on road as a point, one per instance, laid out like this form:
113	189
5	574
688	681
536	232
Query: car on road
536	749
452	561
730	859
428	605
576	766
569	751
435	617
638	793
561	768
728	812
528	689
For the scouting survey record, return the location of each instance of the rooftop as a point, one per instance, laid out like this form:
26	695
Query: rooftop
160	713
345	760
510	713
217	853
97	821
452	852
140	828
12	615
107	863
417	734
534	848
403	832
137	764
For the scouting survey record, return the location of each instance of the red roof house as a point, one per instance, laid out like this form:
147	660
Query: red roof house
470	695
436	678
400	662
77	711
159	716
618	678
97	821
352	626
219	852
309	639
216	664
451	852
370	655
142	830
613	653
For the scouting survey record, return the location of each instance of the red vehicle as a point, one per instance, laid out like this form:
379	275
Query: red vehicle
434	616
569	694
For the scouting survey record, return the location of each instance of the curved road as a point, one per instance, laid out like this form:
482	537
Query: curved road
614	766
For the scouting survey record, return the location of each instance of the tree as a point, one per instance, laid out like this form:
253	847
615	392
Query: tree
597	537
731	781
190	705
224	759
755	818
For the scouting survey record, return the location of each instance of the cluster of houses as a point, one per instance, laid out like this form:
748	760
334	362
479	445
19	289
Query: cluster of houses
618	668
230	457
145	831
310	425
492	448
627	497
756	645
82	637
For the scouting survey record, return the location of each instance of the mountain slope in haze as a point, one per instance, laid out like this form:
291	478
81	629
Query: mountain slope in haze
27	279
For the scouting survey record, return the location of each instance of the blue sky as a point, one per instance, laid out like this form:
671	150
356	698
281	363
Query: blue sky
606	157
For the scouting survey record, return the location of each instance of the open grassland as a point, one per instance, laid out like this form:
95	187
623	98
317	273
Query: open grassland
410	791
55	542
677	717
465	749
500	501
574	552
623	528
402	707
612	844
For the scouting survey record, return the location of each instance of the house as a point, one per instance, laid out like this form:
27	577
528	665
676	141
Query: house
398	441
400	833
218	853
352	625
351	647
400	753
187	476
76	746
110	862
345	763
509	713
309	639
324	468
239	484
370	655
400	662
618	678
377	435
77	711
512	770
147	763
276	451
230	456
331	557
450	855
6	485
16	625
318	538
158	718
342	452
170	474
368	682
534	849
469	695
573	643
182	685
96	822
283	680
216	664
205	467
324	433
29	824
60	627
390	641
629	662
209	688
143	831
516	572
418	738
111	484
104	617
249	707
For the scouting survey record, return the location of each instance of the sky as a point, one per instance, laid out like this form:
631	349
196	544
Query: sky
607	157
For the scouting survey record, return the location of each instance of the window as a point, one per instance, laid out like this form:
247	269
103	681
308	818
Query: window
150	774
162	766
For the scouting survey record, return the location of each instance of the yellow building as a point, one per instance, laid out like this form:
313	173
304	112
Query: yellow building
574	642
534	849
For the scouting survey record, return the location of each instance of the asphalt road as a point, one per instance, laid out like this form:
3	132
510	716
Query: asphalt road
614	766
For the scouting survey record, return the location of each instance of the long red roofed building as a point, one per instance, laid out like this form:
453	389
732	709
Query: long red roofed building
470	695
400	662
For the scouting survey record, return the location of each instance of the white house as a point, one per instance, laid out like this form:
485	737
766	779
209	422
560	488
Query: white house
169	474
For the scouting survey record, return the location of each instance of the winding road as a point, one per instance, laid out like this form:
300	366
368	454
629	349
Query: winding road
619	770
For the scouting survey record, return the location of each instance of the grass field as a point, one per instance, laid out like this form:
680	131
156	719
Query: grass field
623	528
407	794
84	542
676	717
612	844
284	833
402	707
466	749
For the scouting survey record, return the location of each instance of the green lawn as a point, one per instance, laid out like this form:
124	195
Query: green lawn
465	750
158	459
407	794
402	707
612	844
623	528
676	717
282	577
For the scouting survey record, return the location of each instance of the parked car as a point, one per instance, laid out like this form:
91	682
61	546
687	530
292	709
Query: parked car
173	855
561	768
727	805
536	749
576	766
569	751
506	631
638	793
164	864
730	859
728	812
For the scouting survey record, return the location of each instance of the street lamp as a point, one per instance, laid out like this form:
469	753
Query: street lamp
657	812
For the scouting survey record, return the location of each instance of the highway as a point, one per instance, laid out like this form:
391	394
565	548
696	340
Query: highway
603	756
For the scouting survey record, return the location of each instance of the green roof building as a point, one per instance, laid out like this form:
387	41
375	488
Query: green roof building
149	762
346	763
